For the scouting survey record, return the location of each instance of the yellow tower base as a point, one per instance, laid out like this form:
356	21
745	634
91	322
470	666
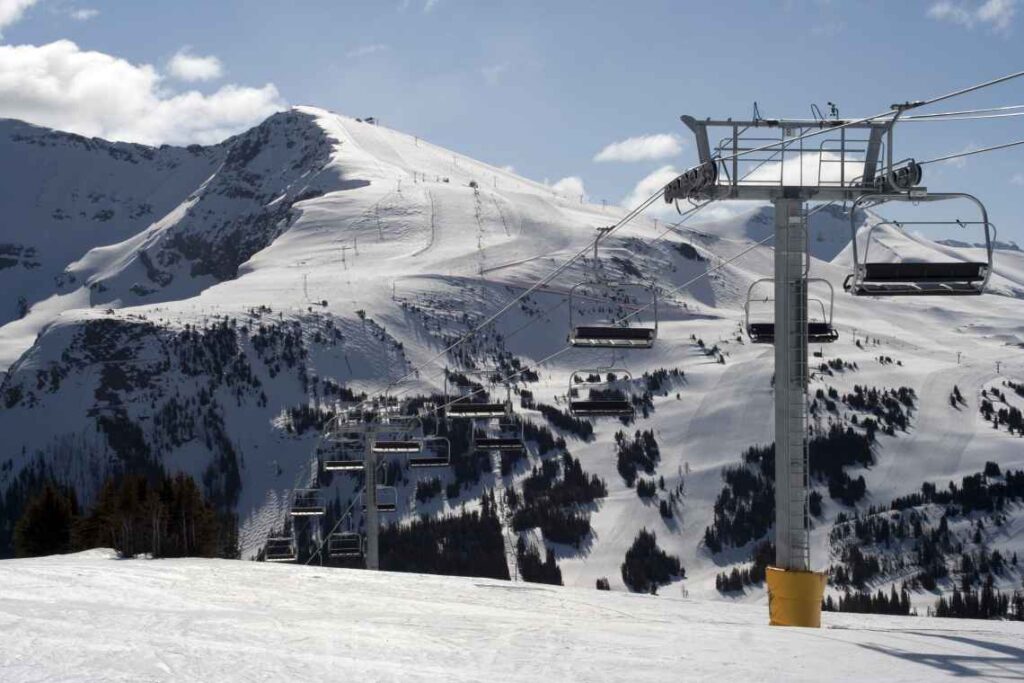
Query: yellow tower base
794	597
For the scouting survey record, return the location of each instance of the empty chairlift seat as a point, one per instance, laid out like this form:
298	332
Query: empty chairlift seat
387	499
341	456
398	434
436	452
602	408
345	544
307	503
622	329
397	445
820	329
467	400
505	436
967	275
817	332
280	549
604	397
761	333
608	336
907	278
476	411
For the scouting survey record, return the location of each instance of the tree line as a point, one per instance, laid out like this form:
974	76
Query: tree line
161	516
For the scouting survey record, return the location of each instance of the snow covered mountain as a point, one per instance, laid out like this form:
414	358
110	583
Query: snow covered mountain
179	308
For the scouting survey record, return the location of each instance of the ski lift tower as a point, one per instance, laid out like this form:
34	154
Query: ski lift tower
790	163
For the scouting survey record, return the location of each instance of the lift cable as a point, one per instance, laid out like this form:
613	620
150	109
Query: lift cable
633	213
961	118
972	152
669	228
539	287
640	310
895	110
654	197
962	112
970	89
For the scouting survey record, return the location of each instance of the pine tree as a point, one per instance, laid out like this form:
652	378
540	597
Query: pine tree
45	526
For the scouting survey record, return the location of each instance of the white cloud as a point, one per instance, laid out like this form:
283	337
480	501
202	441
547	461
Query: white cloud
947	11
186	66
1017	179
999	13
492	74
570	187
84	14
642	148
650	184
96	94
12	10
366	50
430	4
995	14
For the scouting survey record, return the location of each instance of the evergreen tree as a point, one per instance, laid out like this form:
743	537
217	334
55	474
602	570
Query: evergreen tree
647	566
45	527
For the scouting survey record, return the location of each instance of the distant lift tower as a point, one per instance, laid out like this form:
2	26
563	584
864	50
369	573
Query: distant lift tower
791	162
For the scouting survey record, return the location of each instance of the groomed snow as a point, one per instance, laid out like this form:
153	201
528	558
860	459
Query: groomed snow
90	617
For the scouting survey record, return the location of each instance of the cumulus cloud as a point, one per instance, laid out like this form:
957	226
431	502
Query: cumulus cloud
570	187
366	50
995	14
650	184
84	14
642	148
96	94
188	67
12	10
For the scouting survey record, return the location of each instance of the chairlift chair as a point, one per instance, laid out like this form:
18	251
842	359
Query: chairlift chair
345	455
907	278
464	407
280	549
398	435
613	334
394	445
345	544
307	503
508	435
387	499
818	331
600	402
436	452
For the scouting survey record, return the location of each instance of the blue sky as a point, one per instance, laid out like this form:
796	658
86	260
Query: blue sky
540	86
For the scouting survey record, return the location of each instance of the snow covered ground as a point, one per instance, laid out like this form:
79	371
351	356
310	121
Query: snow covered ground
89	617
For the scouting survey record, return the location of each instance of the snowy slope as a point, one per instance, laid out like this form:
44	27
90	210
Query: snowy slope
280	237
88	617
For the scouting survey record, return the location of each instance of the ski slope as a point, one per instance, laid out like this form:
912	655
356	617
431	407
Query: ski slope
321	218
89	617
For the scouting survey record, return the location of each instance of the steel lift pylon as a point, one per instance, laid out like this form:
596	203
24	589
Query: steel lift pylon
775	160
